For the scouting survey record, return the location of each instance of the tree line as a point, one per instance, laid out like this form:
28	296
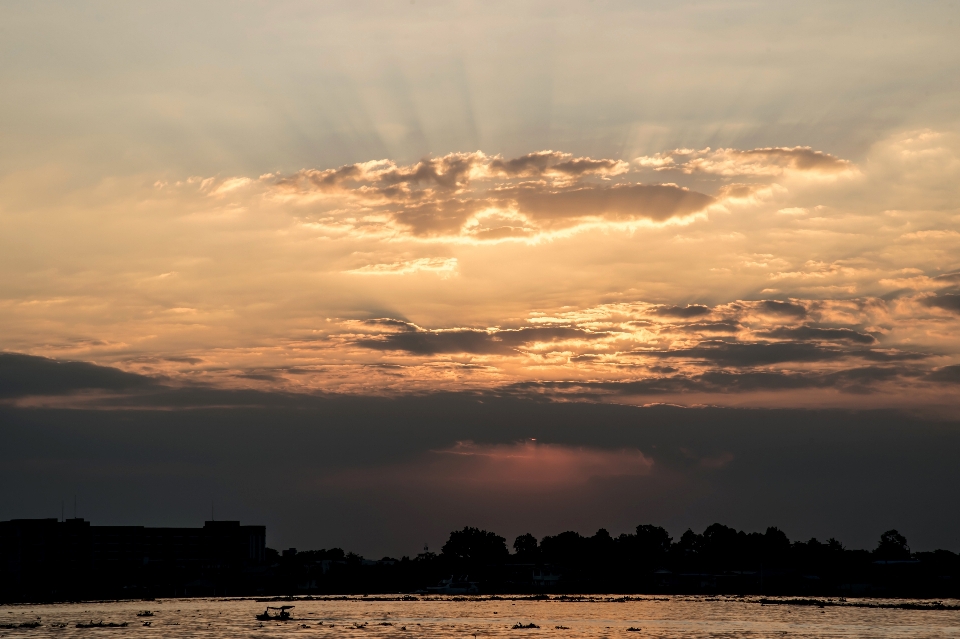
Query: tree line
721	559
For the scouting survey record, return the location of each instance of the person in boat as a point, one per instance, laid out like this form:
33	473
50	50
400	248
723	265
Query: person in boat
282	615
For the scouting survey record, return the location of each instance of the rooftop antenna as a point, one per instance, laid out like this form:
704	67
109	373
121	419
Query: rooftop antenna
62	518
74	505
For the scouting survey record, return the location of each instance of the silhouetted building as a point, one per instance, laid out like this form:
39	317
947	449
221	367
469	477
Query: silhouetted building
43	559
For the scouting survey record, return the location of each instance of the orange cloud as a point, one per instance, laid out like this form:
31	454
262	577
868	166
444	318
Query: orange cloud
764	162
490	198
522	467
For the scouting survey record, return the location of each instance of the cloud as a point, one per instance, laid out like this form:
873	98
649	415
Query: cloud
953	278
416	340
711	327
26	375
751	354
491	198
443	266
856	380
819	334
532	466
658	202
947	302
273	275
946	374
783	309
405	460
685	312
763	162
553	162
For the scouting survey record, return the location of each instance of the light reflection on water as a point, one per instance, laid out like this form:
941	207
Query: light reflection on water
669	618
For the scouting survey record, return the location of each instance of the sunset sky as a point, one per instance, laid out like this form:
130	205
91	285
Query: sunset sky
513	251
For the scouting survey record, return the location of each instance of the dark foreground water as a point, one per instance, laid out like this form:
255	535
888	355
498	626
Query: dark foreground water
668	617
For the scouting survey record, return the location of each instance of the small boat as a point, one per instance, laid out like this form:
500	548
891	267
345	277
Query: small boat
281	615
455	586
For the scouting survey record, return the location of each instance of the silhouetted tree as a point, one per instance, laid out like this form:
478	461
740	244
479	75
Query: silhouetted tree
652	540
475	546
892	546
566	548
525	547
690	543
601	549
776	545
721	545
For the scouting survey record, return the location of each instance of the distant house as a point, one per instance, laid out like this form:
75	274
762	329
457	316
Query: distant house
545	579
43	559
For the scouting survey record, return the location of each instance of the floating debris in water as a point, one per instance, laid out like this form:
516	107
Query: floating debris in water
843	603
17	626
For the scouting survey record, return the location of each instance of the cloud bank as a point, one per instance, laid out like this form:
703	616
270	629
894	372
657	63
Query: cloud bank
472	195
437	461
546	273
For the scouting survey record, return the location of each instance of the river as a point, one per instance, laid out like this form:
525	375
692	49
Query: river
665	617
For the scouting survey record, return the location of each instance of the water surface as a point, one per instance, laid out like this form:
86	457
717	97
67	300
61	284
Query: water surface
381	617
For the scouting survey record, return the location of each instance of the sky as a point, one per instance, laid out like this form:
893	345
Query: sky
529	266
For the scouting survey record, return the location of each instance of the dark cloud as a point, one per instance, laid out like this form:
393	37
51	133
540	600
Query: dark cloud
184	360
784	309
711	327
947	301
691	310
585	166
946	374
372	461
656	202
320	180
800	158
263	377
747	354
447	172
423	342
528	165
819	334
391	323
538	163
739	354
26	375
438	217
437	196
889	355
854	380
552	208
948	277
361	458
